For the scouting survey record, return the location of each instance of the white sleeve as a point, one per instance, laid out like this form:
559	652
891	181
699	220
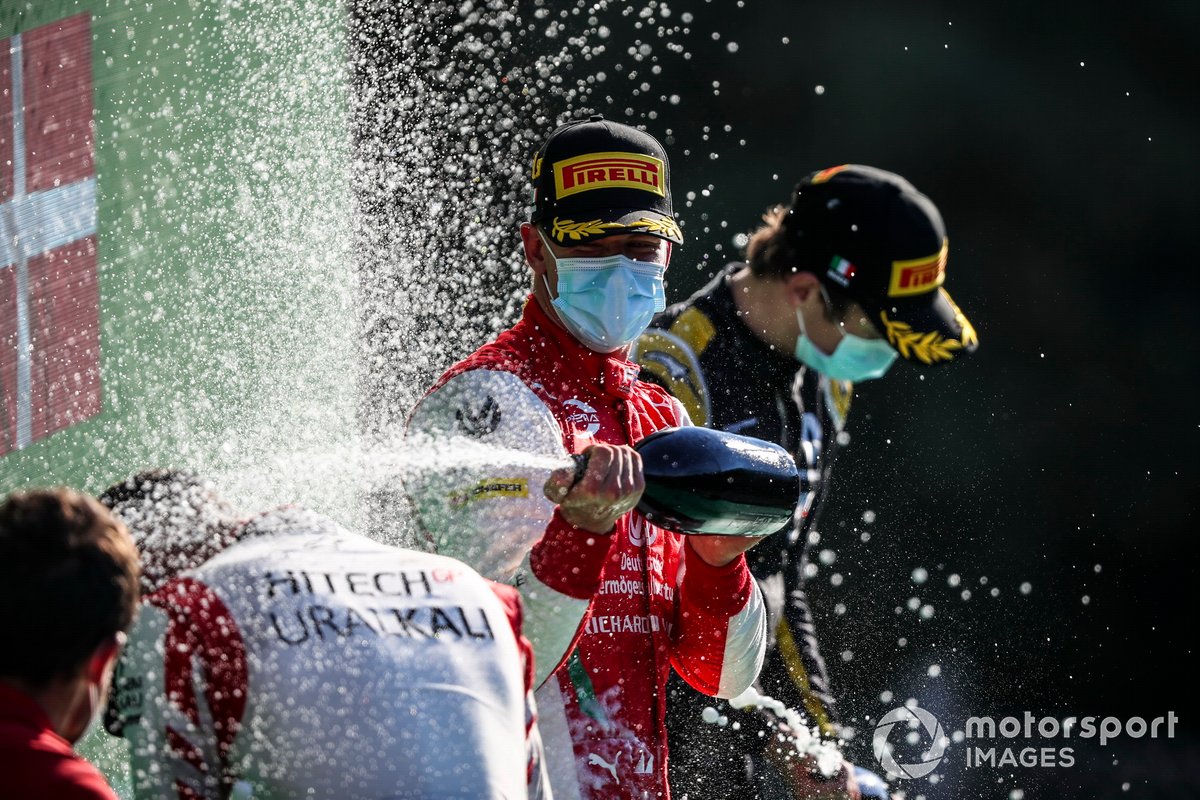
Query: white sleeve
685	421
485	444
745	647
489	444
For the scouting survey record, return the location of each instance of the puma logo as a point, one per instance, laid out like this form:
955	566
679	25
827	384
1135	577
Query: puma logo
595	760
641	532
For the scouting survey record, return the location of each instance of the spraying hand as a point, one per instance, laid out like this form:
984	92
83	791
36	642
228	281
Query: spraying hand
610	485
607	481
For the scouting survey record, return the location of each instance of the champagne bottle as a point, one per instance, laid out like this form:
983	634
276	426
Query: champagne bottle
700	480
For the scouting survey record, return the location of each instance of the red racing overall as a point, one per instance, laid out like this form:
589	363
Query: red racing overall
639	598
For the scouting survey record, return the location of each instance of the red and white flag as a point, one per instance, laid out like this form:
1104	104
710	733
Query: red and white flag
49	298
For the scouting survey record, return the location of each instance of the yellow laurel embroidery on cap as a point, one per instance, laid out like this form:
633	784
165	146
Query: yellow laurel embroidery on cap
969	337
564	229
609	171
929	348
662	227
537	168
919	275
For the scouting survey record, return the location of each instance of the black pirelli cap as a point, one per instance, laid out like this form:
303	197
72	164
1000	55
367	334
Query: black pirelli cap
872	233
594	178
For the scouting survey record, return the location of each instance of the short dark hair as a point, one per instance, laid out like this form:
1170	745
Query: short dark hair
152	486
176	518
770	254
68	582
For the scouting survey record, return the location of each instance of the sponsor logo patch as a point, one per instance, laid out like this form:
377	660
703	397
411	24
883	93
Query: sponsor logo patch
479	421
608	171
838	395
583	417
598	761
641	531
919	275
491	488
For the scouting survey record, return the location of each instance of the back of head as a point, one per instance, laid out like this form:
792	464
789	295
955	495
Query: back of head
176	518
68	582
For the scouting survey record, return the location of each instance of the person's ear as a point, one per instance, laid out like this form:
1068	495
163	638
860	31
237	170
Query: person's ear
801	289
102	658
535	248
92	693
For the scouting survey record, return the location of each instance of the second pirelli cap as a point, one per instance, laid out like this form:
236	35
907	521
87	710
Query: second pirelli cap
872	233
595	178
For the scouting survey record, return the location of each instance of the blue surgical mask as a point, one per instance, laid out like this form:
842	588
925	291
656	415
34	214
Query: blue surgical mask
854	359
607	302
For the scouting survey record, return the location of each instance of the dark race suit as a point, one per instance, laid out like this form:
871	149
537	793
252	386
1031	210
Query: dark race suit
730	380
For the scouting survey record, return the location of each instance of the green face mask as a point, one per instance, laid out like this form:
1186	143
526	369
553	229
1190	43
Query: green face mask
854	358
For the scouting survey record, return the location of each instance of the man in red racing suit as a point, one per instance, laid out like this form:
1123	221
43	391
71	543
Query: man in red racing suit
613	602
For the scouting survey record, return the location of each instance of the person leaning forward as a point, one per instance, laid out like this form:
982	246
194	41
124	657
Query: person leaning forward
838	284
614	602
282	655
68	591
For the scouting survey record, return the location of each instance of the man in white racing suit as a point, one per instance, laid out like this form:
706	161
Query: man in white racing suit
285	656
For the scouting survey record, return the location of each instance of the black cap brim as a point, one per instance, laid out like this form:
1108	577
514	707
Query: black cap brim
927	329
601	222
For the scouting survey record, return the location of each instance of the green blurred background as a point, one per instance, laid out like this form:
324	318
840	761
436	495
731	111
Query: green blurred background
223	236
221	158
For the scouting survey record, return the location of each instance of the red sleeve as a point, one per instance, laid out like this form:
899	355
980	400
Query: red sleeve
510	598
568	559
708	598
71	778
202	630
